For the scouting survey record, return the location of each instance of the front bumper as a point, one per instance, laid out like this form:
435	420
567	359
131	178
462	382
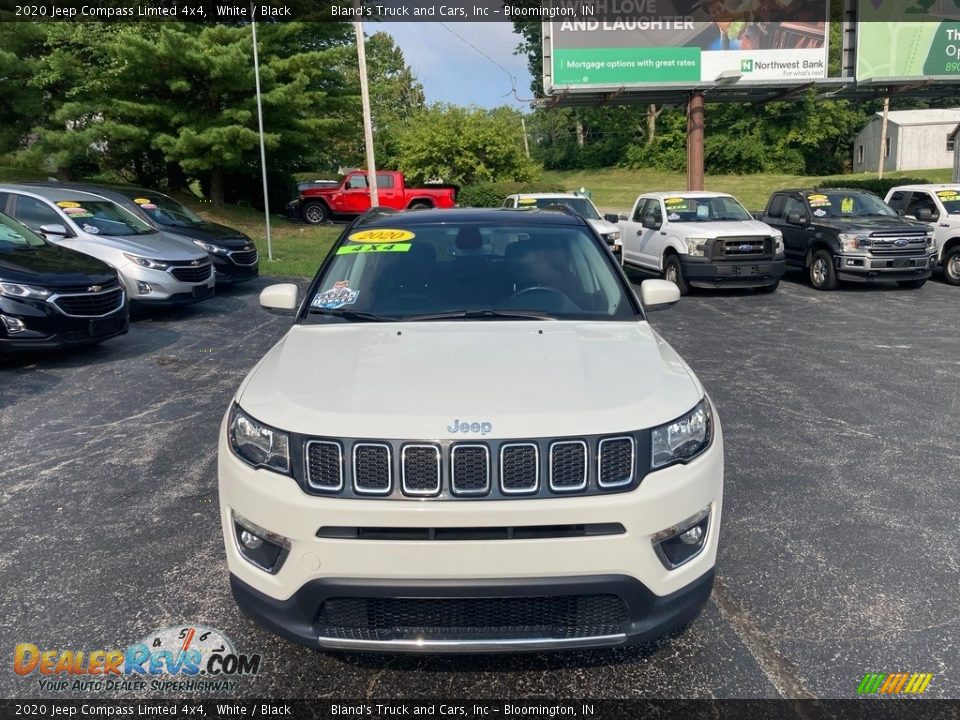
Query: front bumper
707	273
47	328
315	569
228	272
867	268
165	289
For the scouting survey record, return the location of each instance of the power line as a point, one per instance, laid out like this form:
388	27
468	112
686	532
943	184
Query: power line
513	79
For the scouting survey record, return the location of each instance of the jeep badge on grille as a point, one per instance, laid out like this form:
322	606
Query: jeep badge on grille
470	427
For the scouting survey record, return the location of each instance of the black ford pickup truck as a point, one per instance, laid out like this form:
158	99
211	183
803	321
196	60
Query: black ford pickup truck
839	234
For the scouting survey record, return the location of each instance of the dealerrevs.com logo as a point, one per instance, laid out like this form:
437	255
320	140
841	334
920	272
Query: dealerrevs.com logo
184	658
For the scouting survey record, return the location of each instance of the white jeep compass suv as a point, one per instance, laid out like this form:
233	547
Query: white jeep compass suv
438	456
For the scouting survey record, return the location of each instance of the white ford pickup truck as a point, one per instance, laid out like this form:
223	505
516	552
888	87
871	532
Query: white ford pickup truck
701	239
939	206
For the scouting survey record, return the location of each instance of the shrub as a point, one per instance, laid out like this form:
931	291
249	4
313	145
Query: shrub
880	186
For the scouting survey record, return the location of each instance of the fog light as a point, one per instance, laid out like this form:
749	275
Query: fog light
681	543
258	546
13	325
144	288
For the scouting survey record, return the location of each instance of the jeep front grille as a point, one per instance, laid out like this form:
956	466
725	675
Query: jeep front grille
519	468
470	469
420	470
616	461
568	466
324	465
372	473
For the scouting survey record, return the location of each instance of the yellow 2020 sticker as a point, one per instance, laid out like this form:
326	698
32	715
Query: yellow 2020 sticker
68	204
141	201
527	201
381	236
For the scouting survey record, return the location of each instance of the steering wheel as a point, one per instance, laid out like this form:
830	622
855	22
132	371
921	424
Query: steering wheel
538	289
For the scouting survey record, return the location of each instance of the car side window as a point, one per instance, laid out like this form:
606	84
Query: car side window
384	181
508	203
776	206
653	208
898	200
33	213
795	205
639	212
357	182
922	201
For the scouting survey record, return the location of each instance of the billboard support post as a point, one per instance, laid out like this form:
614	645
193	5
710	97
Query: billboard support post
883	139
695	141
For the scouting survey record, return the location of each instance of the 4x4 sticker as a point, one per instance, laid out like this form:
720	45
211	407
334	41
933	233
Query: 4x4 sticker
379	247
381	236
336	297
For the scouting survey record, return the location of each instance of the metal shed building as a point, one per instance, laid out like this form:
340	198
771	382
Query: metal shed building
916	140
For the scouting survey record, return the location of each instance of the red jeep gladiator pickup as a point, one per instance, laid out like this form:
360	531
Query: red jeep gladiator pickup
352	197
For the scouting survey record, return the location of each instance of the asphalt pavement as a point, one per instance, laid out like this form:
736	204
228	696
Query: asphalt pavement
838	554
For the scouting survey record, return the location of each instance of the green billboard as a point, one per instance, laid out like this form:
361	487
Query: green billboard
903	39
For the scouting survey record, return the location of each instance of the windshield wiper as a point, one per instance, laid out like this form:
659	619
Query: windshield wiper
355	315
480	315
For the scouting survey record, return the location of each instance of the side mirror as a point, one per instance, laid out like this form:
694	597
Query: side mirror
796	218
614	218
650	223
56	229
280	298
658	294
924	214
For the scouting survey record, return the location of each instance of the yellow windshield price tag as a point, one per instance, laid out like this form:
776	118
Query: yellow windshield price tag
381	236
527	201
846	205
372	247
68	204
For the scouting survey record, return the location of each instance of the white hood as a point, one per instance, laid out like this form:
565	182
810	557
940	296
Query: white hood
412	380
724	228
603	227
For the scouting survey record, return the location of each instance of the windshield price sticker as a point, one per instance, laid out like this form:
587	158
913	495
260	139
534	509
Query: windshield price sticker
68	204
846	205
948	194
818	200
381	236
378	247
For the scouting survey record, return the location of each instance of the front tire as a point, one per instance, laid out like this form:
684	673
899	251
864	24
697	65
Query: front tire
823	276
673	272
912	284
420	205
951	265
315	213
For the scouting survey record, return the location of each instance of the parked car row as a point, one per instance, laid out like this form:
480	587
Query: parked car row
74	259
708	239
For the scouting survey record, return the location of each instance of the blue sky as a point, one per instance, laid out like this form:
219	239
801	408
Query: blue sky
451	71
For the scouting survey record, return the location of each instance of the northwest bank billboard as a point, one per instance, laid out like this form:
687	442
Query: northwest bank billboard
668	48
907	39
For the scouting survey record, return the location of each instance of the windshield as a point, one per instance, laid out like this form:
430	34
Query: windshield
950	200
471	271
847	205
704	209
581	206
102	217
167	211
14	235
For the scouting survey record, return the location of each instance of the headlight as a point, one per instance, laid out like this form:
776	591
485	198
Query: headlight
696	246
215	249
147	262
851	241
258	444
611	236
15	290
684	438
778	245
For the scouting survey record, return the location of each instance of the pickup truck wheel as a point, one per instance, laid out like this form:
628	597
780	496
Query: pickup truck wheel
673	272
823	276
951	265
420	205
315	213
912	283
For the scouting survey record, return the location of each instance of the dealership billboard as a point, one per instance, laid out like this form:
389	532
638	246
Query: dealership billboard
677	51
907	40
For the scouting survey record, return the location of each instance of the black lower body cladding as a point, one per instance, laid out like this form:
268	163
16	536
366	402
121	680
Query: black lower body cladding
705	273
867	268
474	616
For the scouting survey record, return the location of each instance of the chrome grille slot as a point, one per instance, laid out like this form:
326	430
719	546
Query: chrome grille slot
90	304
244	257
615	462
519	468
470	469
192	274
568	465
420	469
324	463
372	474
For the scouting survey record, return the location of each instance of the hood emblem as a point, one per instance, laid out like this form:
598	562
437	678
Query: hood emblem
95	288
902	242
746	248
464	426
195	262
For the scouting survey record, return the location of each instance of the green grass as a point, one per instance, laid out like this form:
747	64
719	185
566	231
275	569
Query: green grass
617	188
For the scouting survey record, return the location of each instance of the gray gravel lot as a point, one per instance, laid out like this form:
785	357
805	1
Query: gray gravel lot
839	550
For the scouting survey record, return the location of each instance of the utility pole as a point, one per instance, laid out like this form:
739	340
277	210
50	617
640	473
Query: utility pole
367	122
695	141
526	142
263	150
883	138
